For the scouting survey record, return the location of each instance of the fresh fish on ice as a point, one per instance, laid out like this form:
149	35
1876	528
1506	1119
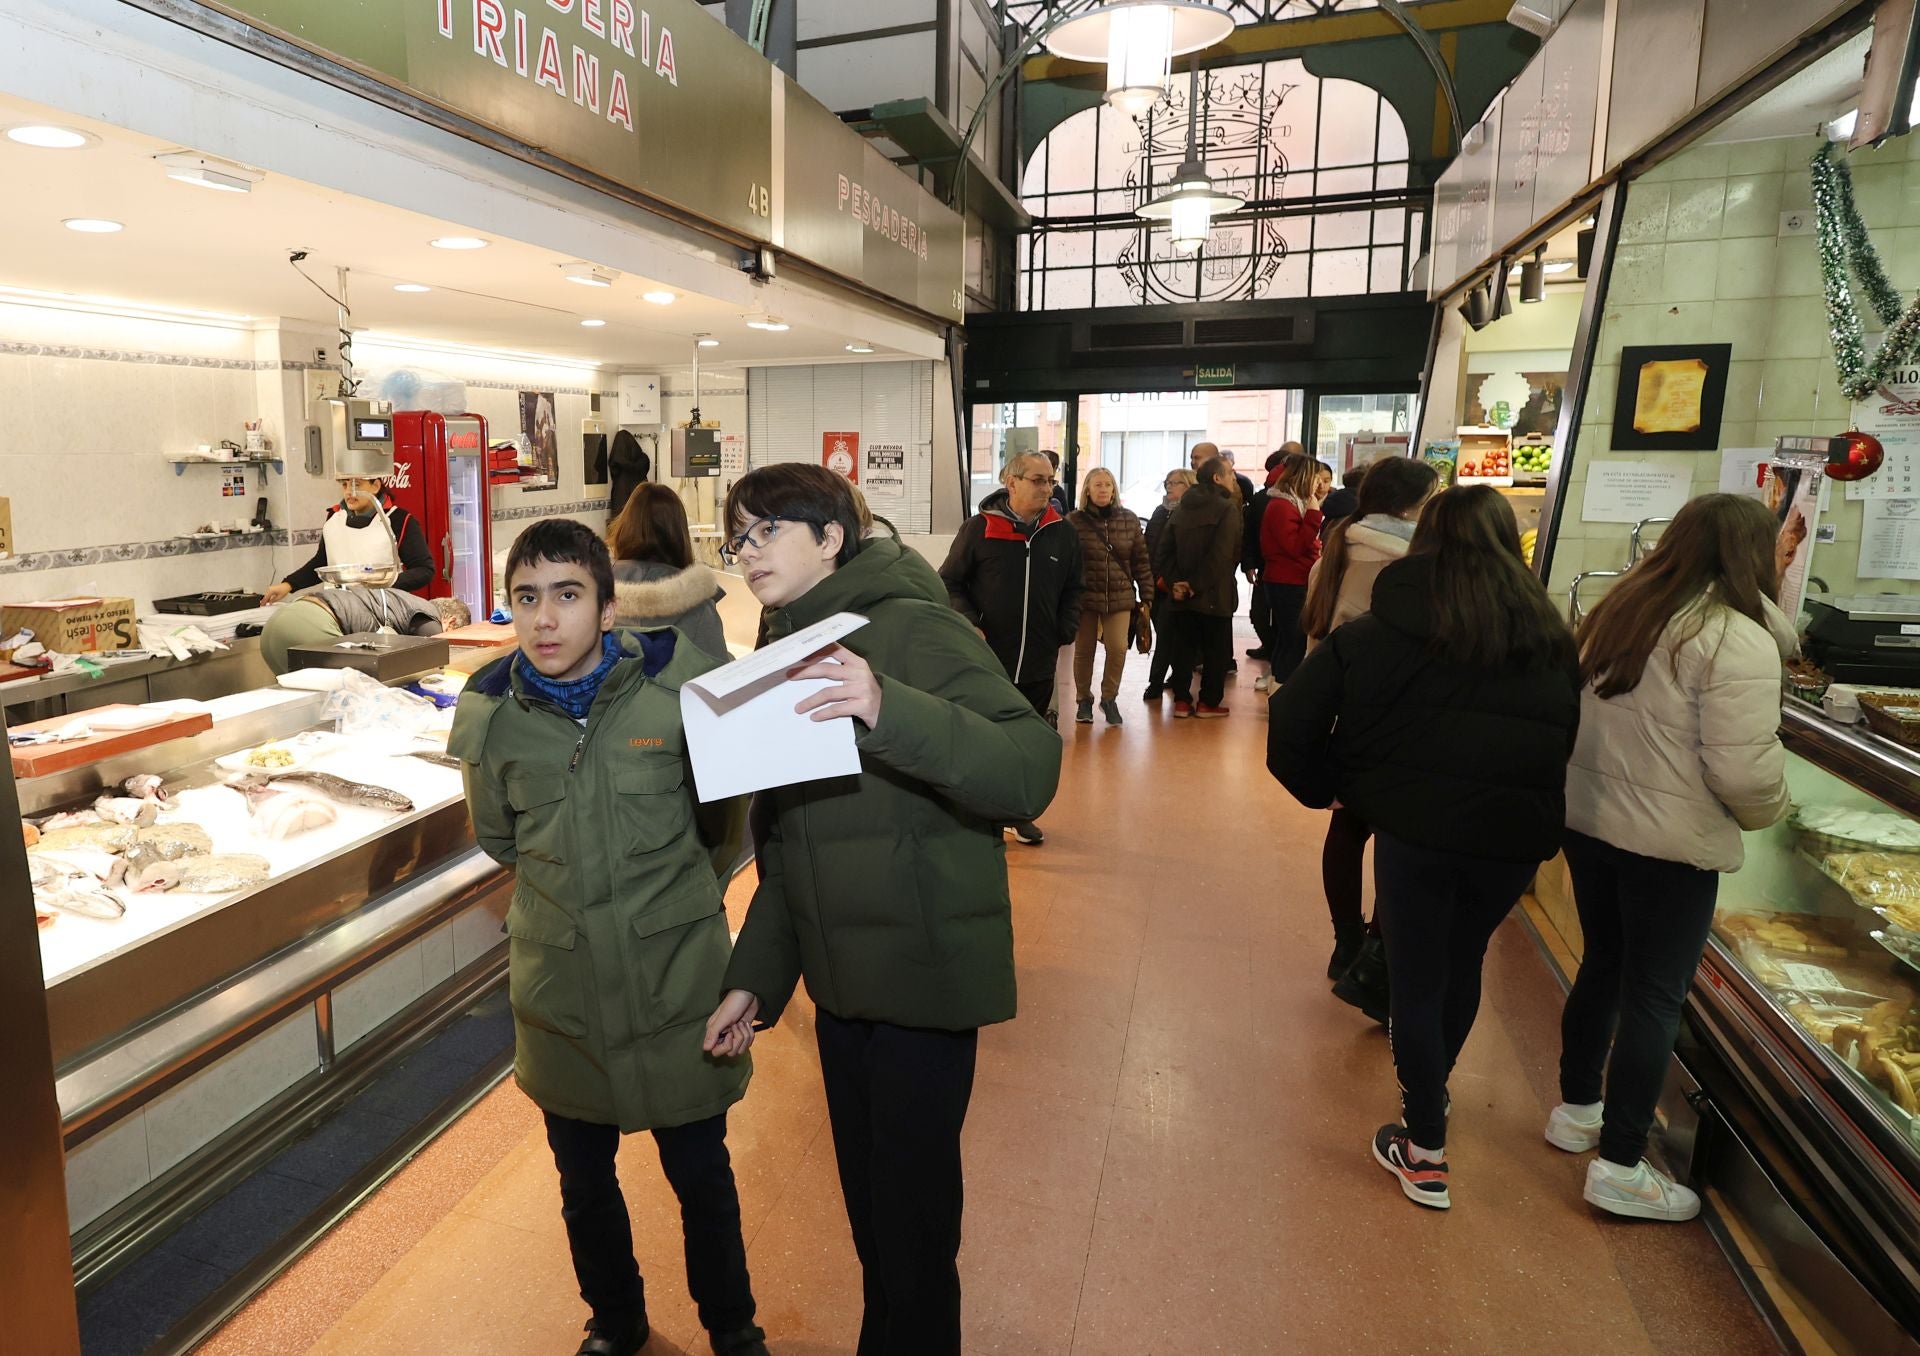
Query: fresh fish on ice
126	809
282	817
434	756
217	875
145	786
166	843
92	863
93	834
69	819
346	792
81	900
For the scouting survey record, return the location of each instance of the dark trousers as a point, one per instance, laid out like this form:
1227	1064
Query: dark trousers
1289	645
1162	640
1437	911
1205	643
1342	873
600	1235
1646	924
1260	613
1039	694
897	1098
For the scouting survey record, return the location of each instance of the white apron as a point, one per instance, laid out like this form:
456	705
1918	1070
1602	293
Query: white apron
369	545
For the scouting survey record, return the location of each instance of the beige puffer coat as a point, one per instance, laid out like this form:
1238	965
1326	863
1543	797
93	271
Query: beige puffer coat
1676	768
1369	551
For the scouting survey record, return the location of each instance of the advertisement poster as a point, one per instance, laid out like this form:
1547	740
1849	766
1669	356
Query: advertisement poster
840	454
885	475
1794	480
540	442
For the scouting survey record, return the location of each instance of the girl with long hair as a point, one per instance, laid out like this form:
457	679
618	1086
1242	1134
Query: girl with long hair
1289	546
1119	578
1679	751
1340	588
657	582
1448	708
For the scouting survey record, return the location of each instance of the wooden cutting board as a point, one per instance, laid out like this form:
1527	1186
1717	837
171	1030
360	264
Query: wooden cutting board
480	633
37	760
9	672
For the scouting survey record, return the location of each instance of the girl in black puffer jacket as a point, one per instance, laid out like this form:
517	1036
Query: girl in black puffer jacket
1444	718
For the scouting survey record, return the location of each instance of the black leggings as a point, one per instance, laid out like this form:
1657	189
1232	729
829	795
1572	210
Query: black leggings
1342	872
1645	921
1289	644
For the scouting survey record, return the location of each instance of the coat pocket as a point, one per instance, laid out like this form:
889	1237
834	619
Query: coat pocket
539	802
681	950
655	810
542	981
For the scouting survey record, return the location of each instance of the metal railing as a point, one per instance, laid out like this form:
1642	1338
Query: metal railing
1636	549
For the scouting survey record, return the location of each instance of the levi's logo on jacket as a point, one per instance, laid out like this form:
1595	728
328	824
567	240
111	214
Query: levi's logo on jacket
647	743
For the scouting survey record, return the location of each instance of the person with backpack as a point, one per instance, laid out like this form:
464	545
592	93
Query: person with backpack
1450	706
1118	591
1679	752
1340	588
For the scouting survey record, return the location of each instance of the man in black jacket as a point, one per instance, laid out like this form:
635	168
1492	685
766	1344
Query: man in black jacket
1015	573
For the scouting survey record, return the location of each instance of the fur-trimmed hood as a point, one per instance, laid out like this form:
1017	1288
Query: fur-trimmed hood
646	590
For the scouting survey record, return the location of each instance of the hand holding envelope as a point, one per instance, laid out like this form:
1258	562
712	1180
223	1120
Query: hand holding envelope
855	691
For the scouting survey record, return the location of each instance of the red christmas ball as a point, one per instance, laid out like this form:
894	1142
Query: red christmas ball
1862	457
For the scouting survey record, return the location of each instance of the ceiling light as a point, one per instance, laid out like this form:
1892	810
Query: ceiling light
411	287
204	171
706	341
592	324
459	242
49	137
588	275
1138	39
1533	277
92	225
1555	266
1189	206
859	346
659	298
772	324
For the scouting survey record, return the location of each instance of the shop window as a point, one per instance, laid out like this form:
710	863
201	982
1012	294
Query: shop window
1322	164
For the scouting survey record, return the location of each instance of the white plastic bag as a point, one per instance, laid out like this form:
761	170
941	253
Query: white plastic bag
363	705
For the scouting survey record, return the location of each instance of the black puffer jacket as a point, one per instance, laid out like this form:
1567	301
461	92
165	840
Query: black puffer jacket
1444	757
1200	546
1021	586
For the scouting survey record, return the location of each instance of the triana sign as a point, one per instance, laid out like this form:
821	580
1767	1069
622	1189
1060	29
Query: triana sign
658	97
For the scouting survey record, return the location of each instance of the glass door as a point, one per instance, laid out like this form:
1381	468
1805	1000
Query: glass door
1337	417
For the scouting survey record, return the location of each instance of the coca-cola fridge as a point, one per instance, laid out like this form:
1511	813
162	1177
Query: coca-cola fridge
439	476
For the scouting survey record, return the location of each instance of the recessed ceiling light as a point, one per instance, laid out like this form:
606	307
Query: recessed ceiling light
659	298
706	341
92	225
588	275
773	324
411	287
49	137
859	346
205	171
459	242
592	324
1559	265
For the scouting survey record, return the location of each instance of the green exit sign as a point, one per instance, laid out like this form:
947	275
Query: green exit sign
1213	376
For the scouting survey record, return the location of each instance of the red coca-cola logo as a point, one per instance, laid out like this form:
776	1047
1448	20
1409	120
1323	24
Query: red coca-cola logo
464	440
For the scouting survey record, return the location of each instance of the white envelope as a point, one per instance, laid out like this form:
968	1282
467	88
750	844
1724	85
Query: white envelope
742	732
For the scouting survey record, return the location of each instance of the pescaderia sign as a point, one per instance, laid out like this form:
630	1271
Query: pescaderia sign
654	95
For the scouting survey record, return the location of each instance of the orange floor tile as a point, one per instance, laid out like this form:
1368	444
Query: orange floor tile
1167	1151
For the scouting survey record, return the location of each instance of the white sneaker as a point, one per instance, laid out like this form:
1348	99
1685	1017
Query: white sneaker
1642	1192
1573	1130
1262	683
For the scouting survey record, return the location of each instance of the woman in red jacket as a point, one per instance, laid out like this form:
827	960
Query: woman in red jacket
1289	545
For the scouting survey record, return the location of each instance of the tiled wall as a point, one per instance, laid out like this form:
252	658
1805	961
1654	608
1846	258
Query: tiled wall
1704	257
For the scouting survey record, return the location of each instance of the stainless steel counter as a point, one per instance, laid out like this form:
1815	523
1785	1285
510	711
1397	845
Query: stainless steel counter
240	668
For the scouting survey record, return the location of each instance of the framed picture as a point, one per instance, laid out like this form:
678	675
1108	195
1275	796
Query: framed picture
1670	397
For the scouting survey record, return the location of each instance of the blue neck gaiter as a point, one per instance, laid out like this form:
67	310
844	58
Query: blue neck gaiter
575	697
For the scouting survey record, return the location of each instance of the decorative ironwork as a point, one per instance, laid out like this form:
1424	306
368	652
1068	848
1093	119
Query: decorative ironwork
1026	12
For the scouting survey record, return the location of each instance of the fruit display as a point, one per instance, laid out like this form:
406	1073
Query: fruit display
1533	458
1493	462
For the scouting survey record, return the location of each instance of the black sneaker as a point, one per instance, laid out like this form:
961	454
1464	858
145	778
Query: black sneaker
611	1339
1083	712
1424	1183
1153	693
747	1341
1028	833
1257	652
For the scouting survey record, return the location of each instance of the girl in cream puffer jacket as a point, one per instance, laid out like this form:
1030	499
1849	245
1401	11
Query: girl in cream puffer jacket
1678	752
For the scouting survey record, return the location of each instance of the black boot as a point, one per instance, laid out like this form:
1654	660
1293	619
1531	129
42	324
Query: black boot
1364	985
747	1341
615	1338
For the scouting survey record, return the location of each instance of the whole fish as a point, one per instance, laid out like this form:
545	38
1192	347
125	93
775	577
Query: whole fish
287	816
70	819
126	809
217	875
435	757
65	883
145	786
346	792
107	837
81	900
94	864
165	843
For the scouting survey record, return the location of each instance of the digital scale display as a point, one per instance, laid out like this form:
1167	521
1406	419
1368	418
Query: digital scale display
373	430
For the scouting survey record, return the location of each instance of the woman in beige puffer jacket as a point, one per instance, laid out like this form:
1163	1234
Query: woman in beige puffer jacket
1679	751
1119	578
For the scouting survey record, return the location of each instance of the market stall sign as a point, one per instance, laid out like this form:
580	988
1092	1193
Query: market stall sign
1204	377
658	97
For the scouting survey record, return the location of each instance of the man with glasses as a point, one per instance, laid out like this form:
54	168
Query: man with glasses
357	532
1015	573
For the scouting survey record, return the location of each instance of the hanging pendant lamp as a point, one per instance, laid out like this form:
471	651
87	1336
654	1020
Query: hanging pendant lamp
1189	204
1138	40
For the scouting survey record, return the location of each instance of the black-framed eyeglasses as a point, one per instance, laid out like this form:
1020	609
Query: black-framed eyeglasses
1039	482
759	535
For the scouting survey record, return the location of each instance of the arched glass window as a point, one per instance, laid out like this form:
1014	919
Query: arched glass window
1322	164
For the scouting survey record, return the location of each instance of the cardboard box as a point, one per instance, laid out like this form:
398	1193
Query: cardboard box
6	528
75	625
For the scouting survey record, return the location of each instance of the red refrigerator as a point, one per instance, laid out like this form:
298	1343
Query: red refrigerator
439	476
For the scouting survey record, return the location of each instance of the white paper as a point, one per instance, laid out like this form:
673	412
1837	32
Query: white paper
1740	470
884	471
1633	491
743	734
1890	539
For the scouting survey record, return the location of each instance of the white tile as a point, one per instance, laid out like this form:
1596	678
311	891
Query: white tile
1788	387
1798	328
105	1170
1646	215
1746	269
1744	325
184	1119
1637	274
1753	205
477	930
1743	391
1878	191
1761	157
1797	272
436	956
367	1000
1695	209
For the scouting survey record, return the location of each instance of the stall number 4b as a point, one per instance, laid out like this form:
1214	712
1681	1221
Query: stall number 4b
759	201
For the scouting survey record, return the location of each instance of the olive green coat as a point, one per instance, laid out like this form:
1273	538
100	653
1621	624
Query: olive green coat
617	936
888	891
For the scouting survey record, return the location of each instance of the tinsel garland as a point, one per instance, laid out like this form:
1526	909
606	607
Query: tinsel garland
1847	252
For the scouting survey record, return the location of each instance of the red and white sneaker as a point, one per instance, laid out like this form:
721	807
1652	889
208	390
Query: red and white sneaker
1206	712
1181	710
1424	1183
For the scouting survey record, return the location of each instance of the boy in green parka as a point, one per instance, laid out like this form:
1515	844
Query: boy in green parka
577	777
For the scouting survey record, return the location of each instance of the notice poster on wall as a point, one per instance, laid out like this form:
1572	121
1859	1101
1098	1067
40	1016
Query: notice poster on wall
1794	480
885	473
1890	539
840	454
1743	471
540	445
1634	491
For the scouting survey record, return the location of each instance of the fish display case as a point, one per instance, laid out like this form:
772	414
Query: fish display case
225	961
